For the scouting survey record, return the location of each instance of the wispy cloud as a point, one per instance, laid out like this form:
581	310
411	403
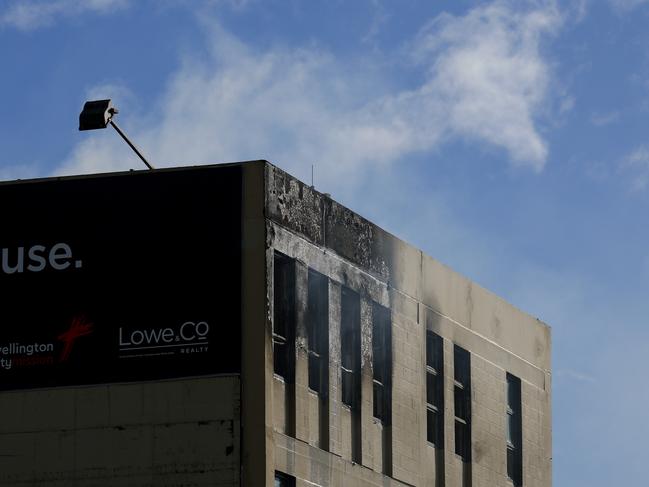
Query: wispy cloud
575	375
379	19
566	103
21	171
31	14
637	163
603	119
579	9
116	91
486	80
624	6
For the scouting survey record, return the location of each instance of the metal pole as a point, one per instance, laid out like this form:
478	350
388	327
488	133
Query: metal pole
131	145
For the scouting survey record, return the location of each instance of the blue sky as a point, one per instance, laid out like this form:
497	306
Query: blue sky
507	139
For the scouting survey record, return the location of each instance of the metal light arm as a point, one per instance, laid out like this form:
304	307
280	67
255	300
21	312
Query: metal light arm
131	144
98	114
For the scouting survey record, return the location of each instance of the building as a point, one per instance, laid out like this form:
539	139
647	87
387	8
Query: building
229	325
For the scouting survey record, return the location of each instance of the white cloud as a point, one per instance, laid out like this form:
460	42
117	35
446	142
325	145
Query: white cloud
486	80
490	75
31	14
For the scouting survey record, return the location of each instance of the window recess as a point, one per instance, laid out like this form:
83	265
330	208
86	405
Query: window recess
318	332
284	317
434	389
462	402
350	347
514	431
284	480
382	363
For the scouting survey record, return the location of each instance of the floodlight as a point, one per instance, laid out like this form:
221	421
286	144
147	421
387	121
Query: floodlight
98	114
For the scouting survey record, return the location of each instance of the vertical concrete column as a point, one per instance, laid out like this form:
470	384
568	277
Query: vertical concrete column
257	460
452	462
371	432
535	428
459	473
429	460
488	385
545	470
302	409
433	460
407	399
335	426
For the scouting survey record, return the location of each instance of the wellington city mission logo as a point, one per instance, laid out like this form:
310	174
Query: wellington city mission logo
33	259
20	354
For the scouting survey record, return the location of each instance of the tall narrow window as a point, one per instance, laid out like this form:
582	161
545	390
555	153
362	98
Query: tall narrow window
284	317
350	364
434	389
283	480
350	347
514	431
318	332
462	402
382	363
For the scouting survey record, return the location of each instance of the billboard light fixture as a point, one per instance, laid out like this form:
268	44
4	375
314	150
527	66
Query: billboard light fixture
98	114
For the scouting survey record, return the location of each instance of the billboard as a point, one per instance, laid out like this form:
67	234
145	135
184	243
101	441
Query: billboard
120	278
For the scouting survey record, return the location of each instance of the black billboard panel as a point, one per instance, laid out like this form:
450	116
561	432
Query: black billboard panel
120	278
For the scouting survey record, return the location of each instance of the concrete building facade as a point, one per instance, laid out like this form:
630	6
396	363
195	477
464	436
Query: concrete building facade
361	362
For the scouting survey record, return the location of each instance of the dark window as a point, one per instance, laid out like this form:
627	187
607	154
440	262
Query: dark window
462	440
318	332
514	431
283	480
462	365
284	317
382	363
462	402
350	347
434	389
462	406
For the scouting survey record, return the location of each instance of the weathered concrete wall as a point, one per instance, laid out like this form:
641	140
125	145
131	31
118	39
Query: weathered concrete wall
408	413
422	294
165	434
314	467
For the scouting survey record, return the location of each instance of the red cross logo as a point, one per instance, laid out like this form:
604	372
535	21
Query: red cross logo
79	327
